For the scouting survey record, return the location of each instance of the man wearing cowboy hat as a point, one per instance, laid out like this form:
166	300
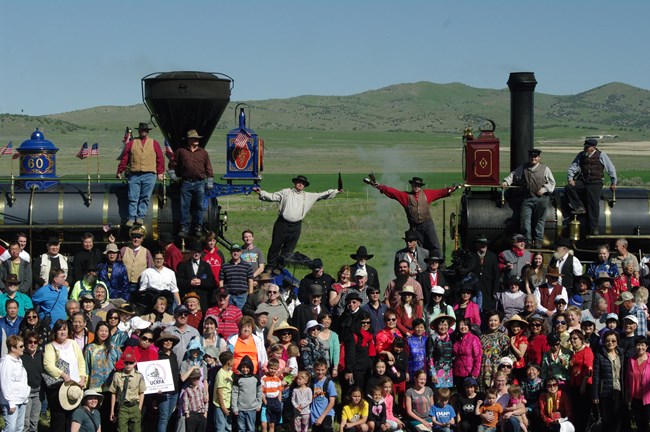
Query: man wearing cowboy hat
411	253
317	277
569	266
295	203
11	292
417	204
145	162
486	269
136	258
309	310
191	164
547	292
585	177
361	258
535	184
431	277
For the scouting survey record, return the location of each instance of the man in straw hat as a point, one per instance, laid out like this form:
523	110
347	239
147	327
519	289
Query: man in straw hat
361	258
145	163
585	177
191	165
416	203
295	203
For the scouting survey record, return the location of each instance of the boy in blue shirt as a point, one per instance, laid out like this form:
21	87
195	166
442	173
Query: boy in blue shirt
322	406
442	414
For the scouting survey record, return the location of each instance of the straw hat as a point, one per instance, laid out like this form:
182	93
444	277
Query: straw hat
70	395
92	392
516	318
440	317
284	325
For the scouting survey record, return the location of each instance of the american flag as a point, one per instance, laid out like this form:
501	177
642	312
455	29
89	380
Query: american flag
83	151
94	150
8	149
241	139
169	152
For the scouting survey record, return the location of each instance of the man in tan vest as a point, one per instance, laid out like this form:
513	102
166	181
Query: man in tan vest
416	205
145	163
136	258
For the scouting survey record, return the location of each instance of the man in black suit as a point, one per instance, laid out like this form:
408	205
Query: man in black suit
413	253
486	269
196	275
317	277
431	277
362	257
310	310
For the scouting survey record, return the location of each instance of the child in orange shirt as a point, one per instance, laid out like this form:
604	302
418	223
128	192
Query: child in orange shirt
489	411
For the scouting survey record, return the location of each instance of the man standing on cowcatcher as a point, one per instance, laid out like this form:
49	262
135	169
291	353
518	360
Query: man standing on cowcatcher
416	205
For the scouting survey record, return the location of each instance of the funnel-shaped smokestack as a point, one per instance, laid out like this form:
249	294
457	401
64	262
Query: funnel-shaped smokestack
179	101
522	116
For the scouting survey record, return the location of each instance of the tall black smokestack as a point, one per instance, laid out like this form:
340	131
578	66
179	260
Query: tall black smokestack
522	116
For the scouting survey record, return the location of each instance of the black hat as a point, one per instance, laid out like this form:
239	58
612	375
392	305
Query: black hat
553	339
512	279
534	152
315	290
316	263
410	235
590	143
563	242
53	240
352	295
144	126
12	279
362	252
194	246
481	238
301	179
166	237
433	259
417	181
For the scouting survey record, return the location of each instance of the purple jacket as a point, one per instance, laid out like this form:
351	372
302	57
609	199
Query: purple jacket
467	356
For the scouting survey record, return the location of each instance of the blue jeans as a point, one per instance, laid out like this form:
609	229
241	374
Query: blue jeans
512	424
246	421
238	300
221	422
14	422
32	412
192	200
140	188
166	406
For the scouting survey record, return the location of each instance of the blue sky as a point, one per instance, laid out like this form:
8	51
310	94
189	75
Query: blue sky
64	55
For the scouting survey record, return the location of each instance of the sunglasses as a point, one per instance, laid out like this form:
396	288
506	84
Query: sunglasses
32	317
274	292
365	322
536	324
20	346
146	339
391	319
128	363
506	366
560	322
285	333
113	318
551	385
32	342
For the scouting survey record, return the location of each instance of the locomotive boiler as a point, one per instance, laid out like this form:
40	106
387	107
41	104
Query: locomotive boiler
486	208
40	204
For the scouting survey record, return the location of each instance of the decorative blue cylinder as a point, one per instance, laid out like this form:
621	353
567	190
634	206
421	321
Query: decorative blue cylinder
37	162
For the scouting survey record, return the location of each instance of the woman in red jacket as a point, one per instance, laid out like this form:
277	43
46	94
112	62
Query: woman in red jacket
581	371
554	406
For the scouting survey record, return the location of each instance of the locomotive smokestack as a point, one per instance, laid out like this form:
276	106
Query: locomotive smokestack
522	107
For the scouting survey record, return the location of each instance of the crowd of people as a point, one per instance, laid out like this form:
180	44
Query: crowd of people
490	341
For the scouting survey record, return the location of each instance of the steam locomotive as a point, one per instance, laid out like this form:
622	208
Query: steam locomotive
38	203
485	208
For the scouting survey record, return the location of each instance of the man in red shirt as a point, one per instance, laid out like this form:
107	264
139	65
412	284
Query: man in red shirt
227	316
416	204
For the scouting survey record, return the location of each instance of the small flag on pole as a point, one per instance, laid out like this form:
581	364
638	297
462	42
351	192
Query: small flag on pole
94	150
169	152
8	149
83	152
241	139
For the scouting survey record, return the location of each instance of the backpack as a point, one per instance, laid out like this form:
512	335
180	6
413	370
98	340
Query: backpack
326	386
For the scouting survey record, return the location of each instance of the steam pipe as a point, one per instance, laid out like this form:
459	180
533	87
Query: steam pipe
522	116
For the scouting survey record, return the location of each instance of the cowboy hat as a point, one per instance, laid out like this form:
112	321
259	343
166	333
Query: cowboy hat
481	238
563	243
433	259
12	279
440	317
515	318
417	181
410	235
166	237
190	295
111	247
553	272
265	277
144	126
89	297
192	133
407	290
70	395
362	252
602	277
126	308
284	325
300	179
167	336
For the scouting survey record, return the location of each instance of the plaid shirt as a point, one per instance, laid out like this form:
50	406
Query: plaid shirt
640	314
193	400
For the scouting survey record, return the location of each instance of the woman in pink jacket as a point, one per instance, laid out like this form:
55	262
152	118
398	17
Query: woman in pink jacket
638	384
467	352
